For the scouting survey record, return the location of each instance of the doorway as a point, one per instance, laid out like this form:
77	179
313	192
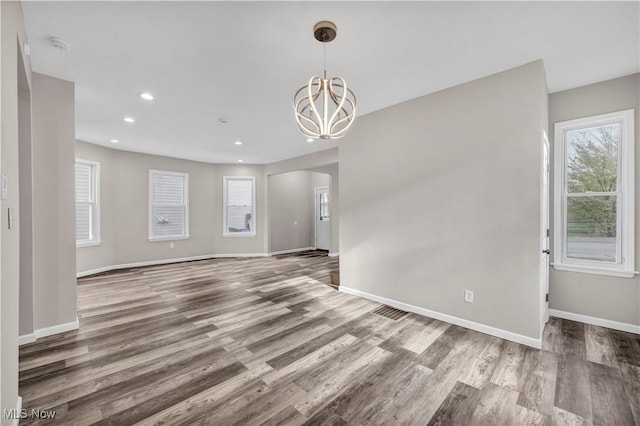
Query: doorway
322	218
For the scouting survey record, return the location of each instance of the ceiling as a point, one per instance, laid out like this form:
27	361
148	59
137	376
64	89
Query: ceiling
242	62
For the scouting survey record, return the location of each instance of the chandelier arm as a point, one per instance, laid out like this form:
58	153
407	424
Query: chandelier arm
307	122
349	117
308	129
310	94
341	101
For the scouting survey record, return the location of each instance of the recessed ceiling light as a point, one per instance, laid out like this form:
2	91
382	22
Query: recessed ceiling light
309	140
239	161
238	143
146	96
129	120
115	140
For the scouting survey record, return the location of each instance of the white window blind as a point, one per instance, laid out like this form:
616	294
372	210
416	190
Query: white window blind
87	223
168	212
239	214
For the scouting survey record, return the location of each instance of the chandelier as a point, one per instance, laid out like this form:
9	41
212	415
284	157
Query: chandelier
325	108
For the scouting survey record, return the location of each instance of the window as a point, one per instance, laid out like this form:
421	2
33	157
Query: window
87	203
239	206
324	206
168	205
594	194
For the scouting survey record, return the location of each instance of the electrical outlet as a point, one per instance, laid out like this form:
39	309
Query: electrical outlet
172	244
468	296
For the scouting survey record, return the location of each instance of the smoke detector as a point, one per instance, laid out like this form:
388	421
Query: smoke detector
60	44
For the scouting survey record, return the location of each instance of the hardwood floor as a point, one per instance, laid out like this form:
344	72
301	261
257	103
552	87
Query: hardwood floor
267	341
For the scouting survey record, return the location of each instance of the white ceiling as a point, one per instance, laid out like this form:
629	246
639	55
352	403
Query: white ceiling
242	61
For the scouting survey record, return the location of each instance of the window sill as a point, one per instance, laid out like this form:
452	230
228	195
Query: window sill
239	234
596	271
88	244
169	238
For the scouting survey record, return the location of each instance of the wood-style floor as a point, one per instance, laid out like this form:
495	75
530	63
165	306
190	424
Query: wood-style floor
267	341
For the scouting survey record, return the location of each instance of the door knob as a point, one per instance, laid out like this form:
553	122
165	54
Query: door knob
546	251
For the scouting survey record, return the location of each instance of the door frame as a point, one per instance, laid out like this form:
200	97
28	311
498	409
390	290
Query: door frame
316	214
545	190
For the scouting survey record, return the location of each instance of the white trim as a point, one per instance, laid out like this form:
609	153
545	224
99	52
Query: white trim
56	329
169	238
596	271
545	226
18	409
296	250
615	325
95	271
492	331
254	221
26	338
48	331
185	200
625	256
334	254
242	255
88	243
165	261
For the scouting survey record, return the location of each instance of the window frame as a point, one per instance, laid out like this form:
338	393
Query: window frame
185	198
95	191
624	266
225	190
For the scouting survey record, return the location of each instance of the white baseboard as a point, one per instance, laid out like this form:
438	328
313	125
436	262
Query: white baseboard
165	261
236	255
296	250
55	329
622	326
26	338
482	328
334	254
48	331
18	409
94	271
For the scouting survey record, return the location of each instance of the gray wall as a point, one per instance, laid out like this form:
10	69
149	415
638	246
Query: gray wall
442	193
305	162
292	208
11	36
290	211
124	203
53	128
322	162
100	256
611	298
124	207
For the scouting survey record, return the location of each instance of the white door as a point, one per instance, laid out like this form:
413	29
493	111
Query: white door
322	219
544	228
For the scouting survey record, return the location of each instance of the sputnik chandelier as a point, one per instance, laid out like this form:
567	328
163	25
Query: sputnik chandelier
325	108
